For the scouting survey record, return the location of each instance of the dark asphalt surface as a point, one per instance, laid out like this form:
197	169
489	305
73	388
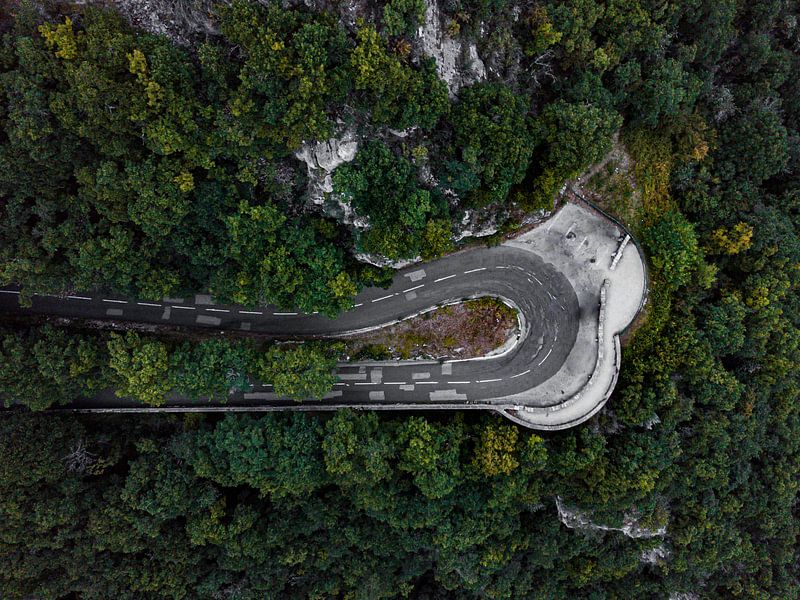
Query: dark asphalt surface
544	296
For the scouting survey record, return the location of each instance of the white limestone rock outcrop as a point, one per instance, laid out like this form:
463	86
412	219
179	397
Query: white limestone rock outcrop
575	518
455	65
322	158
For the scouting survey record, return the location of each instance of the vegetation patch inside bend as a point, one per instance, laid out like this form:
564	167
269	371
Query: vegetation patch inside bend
465	330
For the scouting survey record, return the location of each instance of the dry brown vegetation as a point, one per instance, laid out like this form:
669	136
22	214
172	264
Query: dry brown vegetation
465	330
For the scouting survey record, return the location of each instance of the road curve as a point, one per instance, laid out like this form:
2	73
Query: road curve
550	316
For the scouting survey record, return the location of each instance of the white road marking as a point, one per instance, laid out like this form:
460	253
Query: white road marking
414	288
115	301
520	374
8	292
383	298
537	280
474	270
394	383
217	310
501	267
546	355
78	297
183	307
443	278
148	304
428	382
250	312
487	380
357	305
340	383
284	314
457	382
365	383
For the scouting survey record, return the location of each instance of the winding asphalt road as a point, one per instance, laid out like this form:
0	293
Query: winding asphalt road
546	300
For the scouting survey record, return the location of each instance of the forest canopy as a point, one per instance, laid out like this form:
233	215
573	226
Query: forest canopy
146	166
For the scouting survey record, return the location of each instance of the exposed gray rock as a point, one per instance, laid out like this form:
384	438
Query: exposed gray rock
322	158
476	70
179	20
455	65
575	518
382	261
441	47
473	224
655	555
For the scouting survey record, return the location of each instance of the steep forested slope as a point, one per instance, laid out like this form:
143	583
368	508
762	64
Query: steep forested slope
130	164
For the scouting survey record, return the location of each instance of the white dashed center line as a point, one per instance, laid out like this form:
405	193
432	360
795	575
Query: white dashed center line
474	270
284	314
457	382
250	312
217	310
9	292
183	307
78	297
546	355
443	278
115	301
487	380
428	382
520	374
357	305
414	288
148	304
383	298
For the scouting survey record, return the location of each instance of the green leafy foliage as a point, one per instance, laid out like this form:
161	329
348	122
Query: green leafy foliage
129	164
396	94
385	187
403	16
302	372
493	143
142	367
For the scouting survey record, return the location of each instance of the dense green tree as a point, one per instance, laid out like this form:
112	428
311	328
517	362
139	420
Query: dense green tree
211	368
396	94
294	70
142	367
303	372
403	16
384	187
493	143
47	366
674	250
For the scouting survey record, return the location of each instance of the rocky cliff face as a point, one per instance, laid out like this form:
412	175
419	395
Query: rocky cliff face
456	65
